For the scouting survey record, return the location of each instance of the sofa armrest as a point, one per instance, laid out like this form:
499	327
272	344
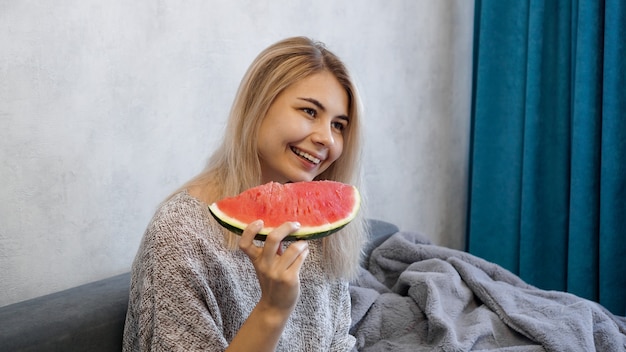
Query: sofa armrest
84	318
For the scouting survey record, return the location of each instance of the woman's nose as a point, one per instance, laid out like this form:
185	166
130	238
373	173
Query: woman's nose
323	135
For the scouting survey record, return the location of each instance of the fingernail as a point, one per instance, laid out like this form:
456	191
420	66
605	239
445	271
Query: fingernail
257	223
296	224
301	244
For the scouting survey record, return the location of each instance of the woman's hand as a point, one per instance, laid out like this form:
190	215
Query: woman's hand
278	271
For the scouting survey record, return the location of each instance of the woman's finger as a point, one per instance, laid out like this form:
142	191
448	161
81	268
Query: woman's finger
273	241
246	243
294	256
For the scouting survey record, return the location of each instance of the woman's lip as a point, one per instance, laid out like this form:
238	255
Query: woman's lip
312	158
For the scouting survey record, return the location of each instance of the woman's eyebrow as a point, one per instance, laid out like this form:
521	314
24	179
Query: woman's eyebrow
314	102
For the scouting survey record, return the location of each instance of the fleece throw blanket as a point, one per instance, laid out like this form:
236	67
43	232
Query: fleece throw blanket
414	296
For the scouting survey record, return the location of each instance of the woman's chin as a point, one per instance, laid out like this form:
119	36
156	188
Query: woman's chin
299	179
291	177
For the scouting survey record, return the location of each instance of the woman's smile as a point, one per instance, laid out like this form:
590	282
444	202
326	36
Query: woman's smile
310	158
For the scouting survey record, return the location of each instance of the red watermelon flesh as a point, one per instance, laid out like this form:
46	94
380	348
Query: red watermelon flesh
321	207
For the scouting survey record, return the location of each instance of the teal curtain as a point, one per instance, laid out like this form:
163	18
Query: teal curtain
548	157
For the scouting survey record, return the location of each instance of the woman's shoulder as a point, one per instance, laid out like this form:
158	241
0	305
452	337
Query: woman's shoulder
181	217
179	206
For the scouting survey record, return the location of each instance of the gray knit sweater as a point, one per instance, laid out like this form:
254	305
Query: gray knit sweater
191	293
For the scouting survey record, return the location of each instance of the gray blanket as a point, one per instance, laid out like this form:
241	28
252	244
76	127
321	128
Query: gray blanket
414	296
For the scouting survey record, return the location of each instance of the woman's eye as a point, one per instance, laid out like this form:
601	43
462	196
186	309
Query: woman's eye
310	112
338	126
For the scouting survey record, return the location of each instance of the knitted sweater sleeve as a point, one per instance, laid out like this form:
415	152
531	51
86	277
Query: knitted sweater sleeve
170	306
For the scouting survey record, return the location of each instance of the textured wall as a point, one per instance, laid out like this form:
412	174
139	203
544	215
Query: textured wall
106	106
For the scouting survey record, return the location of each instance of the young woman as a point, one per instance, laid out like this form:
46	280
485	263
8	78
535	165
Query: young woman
195	286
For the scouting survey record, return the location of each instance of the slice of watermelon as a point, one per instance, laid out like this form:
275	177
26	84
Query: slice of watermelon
321	208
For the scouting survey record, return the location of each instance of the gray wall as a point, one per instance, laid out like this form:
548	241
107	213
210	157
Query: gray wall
107	106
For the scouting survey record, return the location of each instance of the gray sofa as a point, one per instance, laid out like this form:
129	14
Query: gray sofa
90	317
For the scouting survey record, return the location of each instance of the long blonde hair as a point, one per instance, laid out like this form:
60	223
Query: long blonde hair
235	167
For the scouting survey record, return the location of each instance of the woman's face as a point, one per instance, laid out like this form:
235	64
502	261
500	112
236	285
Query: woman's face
302	133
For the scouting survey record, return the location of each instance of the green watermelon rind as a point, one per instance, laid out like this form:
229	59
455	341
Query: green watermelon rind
304	233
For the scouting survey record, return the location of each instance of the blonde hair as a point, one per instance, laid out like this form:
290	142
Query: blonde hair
235	167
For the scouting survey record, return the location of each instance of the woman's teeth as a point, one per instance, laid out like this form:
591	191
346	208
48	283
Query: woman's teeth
306	155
